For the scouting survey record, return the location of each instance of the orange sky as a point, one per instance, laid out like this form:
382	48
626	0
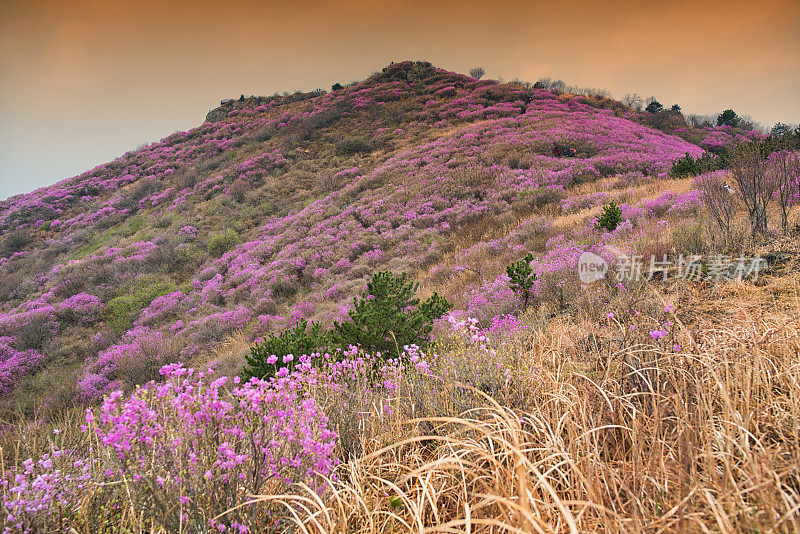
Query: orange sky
83	81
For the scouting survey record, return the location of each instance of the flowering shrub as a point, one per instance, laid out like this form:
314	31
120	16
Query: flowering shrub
189	453
189	231
81	308
15	363
492	298
133	360
32	328
37	492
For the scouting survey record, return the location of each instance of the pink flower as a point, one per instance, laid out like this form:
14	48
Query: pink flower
658	334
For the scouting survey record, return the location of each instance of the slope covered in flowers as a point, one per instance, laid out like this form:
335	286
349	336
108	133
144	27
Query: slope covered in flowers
280	208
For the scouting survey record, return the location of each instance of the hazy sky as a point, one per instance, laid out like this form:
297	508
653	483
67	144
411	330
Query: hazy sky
83	81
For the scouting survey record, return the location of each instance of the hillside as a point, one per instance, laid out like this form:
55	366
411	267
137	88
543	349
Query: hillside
282	207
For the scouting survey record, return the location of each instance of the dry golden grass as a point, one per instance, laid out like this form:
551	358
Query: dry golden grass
614	437
705	440
227	357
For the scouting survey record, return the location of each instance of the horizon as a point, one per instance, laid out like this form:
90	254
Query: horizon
81	92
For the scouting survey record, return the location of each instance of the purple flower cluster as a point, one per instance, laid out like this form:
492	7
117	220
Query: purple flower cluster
189	231
98	376
719	138
15	363
184	448
81	308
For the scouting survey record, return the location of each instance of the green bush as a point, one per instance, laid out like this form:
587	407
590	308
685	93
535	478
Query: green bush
132	226
685	166
121	311
349	147
610	218
522	278
222	243
654	107
385	318
388	316
689	166
780	130
296	341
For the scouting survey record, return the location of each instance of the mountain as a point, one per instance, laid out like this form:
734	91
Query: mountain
618	358
280	208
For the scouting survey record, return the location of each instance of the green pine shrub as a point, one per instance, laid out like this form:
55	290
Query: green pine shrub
388	316
610	218
689	166
522	278
266	357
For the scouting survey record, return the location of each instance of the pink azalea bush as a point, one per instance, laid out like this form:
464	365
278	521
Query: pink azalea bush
188	452
81	308
15	363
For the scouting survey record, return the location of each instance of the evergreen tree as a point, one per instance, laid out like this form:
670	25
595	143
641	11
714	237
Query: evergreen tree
728	118
780	130
388	316
266	357
610	218
522	278
654	107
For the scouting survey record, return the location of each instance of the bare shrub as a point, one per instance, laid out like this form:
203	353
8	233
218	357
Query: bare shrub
188	179
351	146
633	101
264	133
165	254
720	202
477	72
238	190
37	334
784	174
142	366
141	189
162	221
14	241
688	238
213	330
9	282
752	185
